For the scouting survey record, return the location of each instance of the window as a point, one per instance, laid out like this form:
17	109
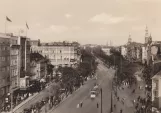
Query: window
2	91
8	68
3	58
8	58
155	93
3	48
3	69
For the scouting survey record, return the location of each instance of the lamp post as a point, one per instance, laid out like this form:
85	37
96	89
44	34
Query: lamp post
101	100
111	104
111	111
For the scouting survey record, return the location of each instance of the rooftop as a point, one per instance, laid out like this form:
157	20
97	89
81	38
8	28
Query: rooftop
4	35
60	44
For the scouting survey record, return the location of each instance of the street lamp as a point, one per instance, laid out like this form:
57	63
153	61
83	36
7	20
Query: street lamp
101	100
111	111
111	104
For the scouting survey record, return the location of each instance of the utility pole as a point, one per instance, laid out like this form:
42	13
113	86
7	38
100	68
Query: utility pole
111	103
111	99
11	90
101	100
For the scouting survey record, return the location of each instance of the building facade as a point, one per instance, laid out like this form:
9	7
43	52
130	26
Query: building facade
134	51
123	51
59	54
38	66
107	50
156	90
24	56
4	67
14	63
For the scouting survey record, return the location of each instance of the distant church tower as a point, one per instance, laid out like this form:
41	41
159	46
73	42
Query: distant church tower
129	39
146	35
150	39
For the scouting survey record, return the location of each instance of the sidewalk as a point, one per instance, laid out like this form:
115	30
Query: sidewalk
29	99
127	105
24	102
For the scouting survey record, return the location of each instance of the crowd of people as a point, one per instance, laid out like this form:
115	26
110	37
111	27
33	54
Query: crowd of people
47	102
141	104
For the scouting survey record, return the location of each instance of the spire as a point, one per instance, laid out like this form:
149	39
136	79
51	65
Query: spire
146	35
146	31
129	39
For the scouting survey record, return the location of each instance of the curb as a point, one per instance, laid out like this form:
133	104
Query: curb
34	96
50	111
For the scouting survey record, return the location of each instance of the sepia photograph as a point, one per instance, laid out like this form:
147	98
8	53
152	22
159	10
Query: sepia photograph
80	56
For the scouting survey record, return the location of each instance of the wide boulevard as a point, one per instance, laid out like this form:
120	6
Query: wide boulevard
104	79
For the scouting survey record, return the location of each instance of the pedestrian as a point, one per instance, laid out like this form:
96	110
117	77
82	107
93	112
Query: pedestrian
121	111
114	106
77	105
134	101
139	98
133	91
117	98
81	104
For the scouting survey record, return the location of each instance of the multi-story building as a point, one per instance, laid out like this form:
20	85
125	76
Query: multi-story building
38	66
134	52
24	56
144	54
4	67
156	90
107	50
59	53
123	51
14	63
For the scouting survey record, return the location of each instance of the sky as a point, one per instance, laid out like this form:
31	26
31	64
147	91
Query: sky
85	21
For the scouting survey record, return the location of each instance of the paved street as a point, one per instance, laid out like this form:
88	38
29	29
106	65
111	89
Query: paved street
89	106
105	76
104	79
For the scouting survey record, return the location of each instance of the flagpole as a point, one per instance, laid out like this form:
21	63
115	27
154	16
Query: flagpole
5	25
26	32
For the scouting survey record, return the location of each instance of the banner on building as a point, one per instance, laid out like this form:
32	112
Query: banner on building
24	83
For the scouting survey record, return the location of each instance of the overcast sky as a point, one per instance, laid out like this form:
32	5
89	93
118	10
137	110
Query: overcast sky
86	21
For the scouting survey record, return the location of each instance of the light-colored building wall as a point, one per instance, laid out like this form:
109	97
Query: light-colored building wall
123	51
106	50
156	90
144	54
58	55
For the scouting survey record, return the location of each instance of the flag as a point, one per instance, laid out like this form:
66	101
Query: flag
27	25
8	19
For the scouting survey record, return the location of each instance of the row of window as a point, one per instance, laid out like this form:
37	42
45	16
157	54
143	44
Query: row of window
2	90
4	69
14	52
14	72
4	58
13	62
4	48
